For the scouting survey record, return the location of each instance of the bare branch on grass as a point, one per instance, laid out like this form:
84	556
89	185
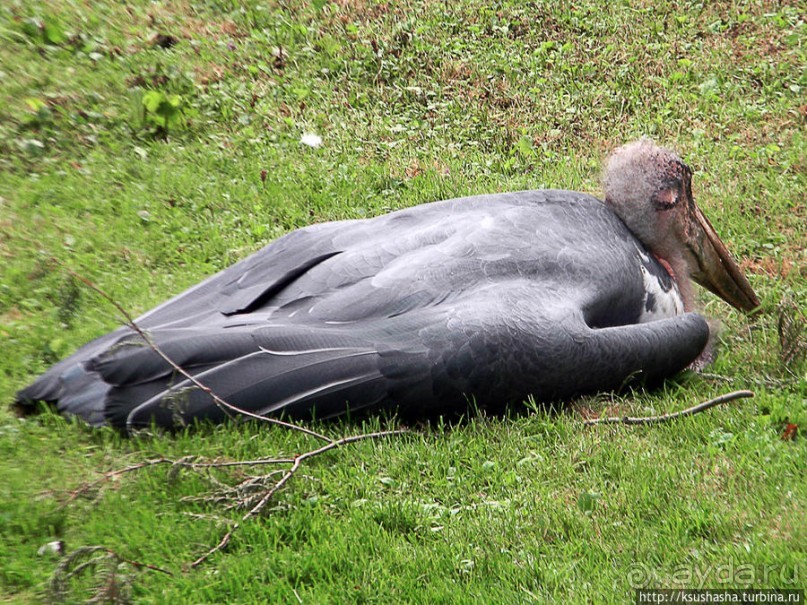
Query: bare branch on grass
701	407
252	493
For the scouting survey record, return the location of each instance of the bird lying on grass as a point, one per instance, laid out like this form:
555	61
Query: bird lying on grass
487	299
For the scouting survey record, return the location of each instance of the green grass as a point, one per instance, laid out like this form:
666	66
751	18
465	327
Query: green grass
414	102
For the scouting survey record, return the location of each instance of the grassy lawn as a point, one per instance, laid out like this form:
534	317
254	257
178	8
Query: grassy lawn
147	146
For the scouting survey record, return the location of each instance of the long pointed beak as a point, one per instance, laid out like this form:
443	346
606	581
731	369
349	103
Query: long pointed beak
717	271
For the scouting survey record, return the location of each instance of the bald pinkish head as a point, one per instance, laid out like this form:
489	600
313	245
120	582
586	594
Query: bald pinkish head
650	188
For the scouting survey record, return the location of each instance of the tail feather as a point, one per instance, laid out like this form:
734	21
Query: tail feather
82	394
49	386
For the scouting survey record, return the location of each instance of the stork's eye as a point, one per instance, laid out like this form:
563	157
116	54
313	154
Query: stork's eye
668	195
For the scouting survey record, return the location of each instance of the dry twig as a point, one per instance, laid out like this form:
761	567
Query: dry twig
672	416
111	475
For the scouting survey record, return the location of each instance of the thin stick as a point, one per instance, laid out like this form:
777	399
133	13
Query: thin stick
226	463
222	544
111	475
672	416
88	550
138	564
303	457
221	403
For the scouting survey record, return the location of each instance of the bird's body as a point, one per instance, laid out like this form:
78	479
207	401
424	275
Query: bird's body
490	299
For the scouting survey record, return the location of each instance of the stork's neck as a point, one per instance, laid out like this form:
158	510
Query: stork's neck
678	269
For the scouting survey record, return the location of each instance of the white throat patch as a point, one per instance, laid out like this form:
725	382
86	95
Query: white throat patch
662	298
